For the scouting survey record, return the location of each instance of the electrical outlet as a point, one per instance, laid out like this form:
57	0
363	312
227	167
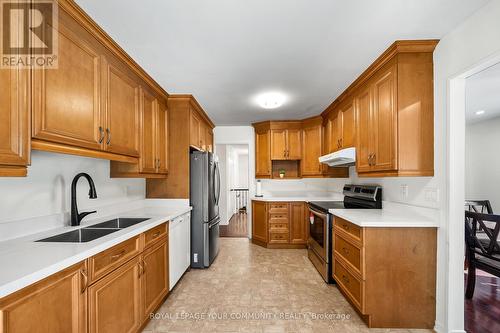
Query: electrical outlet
431	194
404	192
195	257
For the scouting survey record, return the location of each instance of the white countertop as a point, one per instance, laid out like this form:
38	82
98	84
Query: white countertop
25	262
409	218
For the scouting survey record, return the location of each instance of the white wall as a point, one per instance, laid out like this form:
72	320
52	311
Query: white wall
471	43
47	189
482	162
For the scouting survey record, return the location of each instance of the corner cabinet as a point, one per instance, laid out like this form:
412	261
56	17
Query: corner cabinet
279	224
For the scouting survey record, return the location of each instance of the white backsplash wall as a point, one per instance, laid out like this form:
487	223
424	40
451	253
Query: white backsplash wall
47	189
317	185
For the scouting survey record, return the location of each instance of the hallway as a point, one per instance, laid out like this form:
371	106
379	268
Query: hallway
280	286
237	226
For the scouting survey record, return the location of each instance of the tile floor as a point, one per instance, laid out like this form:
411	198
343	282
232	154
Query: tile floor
248	280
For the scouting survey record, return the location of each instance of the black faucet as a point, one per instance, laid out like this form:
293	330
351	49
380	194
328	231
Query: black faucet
75	216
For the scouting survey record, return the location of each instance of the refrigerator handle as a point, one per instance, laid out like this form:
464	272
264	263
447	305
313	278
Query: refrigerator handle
218	183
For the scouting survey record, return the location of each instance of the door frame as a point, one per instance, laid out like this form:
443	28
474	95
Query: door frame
455	188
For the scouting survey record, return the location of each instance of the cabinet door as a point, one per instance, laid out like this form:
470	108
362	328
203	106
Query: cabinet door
210	139
294	144
363	105
331	145
384	122
259	221
122	111
14	118
278	145
298	223
155	277
312	143
56	304
262	154
194	130
203	136
348	125
337	130
148	158
115	300
162	138
66	100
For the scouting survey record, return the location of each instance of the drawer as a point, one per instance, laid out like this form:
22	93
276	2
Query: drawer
278	207
278	219
350	228
278	225
153	235
278	216
348	252
107	260
349	284
279	237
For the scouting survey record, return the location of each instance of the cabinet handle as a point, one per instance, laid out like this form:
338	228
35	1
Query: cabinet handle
345	278
345	250
156	234
118	255
139	271
101	134
85	280
143	267
374	159
109	136
345	226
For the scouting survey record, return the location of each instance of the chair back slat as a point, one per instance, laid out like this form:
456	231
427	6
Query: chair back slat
475	221
479	206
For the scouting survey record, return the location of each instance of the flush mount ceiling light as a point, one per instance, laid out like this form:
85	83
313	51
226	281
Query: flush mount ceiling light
480	112
271	100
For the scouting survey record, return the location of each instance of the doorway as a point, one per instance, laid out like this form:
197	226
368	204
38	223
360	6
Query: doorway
234	162
482	180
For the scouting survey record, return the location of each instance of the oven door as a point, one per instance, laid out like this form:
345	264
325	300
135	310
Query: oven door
318	233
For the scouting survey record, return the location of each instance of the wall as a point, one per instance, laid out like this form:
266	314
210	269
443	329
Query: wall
474	41
482	162
47	189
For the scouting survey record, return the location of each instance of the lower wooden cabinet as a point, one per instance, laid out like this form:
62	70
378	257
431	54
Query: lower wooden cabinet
279	224
115	300
155	283
55	304
114	291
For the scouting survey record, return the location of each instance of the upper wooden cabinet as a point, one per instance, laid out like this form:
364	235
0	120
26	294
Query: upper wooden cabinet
341	128
195	130
312	141
286	143
395	119
14	122
92	104
55	304
262	152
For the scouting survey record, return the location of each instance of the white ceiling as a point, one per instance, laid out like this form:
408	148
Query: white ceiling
224	52
483	93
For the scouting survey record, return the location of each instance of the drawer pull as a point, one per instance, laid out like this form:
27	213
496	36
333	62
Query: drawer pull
118	255
345	278
85	280
345	226
156	234
345	250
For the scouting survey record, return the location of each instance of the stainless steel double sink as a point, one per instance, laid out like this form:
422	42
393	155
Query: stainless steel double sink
95	231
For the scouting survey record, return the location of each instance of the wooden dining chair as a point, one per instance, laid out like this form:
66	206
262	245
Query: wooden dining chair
479	206
483	249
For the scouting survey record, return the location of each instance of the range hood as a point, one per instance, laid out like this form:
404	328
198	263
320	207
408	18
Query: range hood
341	158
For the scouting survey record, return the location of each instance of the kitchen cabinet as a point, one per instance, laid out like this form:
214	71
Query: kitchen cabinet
186	120
115	300
153	160
341	127
155	277
299	231
382	296
286	144
55	304
279	224
394	117
100	115
262	153
312	141
14	123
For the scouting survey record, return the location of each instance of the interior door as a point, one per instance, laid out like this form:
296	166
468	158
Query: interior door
294	144
66	100
122	111
363	106
278	145
384	122
148	140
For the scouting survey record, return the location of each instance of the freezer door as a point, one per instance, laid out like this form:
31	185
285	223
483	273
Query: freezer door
213	236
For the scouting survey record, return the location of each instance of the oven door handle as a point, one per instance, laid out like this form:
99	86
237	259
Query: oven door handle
315	212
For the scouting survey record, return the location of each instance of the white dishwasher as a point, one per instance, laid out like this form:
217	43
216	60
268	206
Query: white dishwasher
179	248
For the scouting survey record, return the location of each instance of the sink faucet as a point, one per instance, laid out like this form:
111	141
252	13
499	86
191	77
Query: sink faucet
75	216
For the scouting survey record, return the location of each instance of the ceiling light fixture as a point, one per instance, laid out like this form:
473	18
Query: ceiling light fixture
480	112
271	100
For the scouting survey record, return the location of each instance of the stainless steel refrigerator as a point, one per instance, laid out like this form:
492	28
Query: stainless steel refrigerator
205	195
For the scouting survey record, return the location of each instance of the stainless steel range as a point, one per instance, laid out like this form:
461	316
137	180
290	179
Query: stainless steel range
320	241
